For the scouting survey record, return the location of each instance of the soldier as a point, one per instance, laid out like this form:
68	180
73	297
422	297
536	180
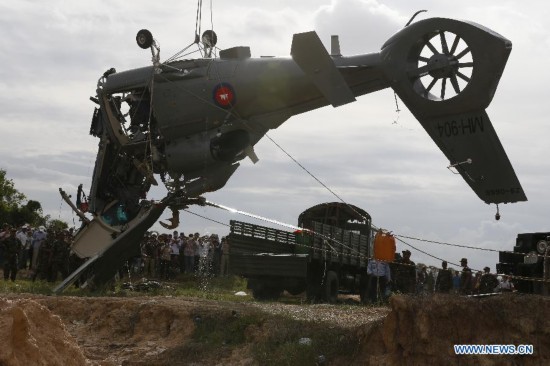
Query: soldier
444	281
466	280
44	257
11	248
488	282
406	274
59	257
150	253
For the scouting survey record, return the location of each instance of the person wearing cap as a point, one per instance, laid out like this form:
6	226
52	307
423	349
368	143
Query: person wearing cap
11	248
405	276
466	280
488	282
444	281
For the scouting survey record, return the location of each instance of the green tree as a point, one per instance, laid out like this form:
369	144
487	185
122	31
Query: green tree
30	213
10	198
57	225
14	210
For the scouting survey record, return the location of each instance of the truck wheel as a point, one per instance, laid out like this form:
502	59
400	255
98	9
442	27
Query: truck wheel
331	287
312	291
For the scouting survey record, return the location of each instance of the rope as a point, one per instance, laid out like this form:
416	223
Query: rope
207	218
358	256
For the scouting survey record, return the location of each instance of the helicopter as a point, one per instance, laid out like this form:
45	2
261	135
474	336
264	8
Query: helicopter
190	122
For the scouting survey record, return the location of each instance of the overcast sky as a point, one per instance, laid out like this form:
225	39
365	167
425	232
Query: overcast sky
55	51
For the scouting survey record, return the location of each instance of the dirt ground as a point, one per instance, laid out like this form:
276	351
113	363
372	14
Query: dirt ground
50	330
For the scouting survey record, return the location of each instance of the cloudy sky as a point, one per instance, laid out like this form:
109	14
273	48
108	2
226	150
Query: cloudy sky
54	52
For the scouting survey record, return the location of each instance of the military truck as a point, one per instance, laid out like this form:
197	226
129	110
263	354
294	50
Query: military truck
527	260
330	254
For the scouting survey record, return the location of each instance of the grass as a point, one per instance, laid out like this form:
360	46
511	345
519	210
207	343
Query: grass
214	288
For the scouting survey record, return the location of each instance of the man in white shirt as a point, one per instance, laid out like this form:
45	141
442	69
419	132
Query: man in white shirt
22	236
38	238
506	285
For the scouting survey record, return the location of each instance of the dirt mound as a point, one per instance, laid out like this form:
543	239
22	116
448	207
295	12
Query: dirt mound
424	330
186	331
31	335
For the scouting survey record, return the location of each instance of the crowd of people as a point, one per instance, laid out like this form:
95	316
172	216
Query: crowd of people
44	254
404	276
164	256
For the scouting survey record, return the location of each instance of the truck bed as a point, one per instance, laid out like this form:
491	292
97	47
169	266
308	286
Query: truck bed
258	250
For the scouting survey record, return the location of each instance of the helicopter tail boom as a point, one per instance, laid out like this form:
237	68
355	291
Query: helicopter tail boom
446	72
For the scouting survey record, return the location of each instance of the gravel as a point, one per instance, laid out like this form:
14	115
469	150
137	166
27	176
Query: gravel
341	315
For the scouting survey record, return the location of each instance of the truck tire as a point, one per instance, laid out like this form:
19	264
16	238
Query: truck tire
313	290
331	287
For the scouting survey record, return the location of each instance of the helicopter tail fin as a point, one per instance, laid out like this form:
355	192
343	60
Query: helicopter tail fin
446	72
312	57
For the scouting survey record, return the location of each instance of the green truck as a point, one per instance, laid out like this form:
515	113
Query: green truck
528	261
328	255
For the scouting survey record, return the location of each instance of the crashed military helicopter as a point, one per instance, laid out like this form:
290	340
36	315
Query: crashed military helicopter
191	121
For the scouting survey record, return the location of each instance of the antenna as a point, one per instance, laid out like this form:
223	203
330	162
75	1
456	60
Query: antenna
335	46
